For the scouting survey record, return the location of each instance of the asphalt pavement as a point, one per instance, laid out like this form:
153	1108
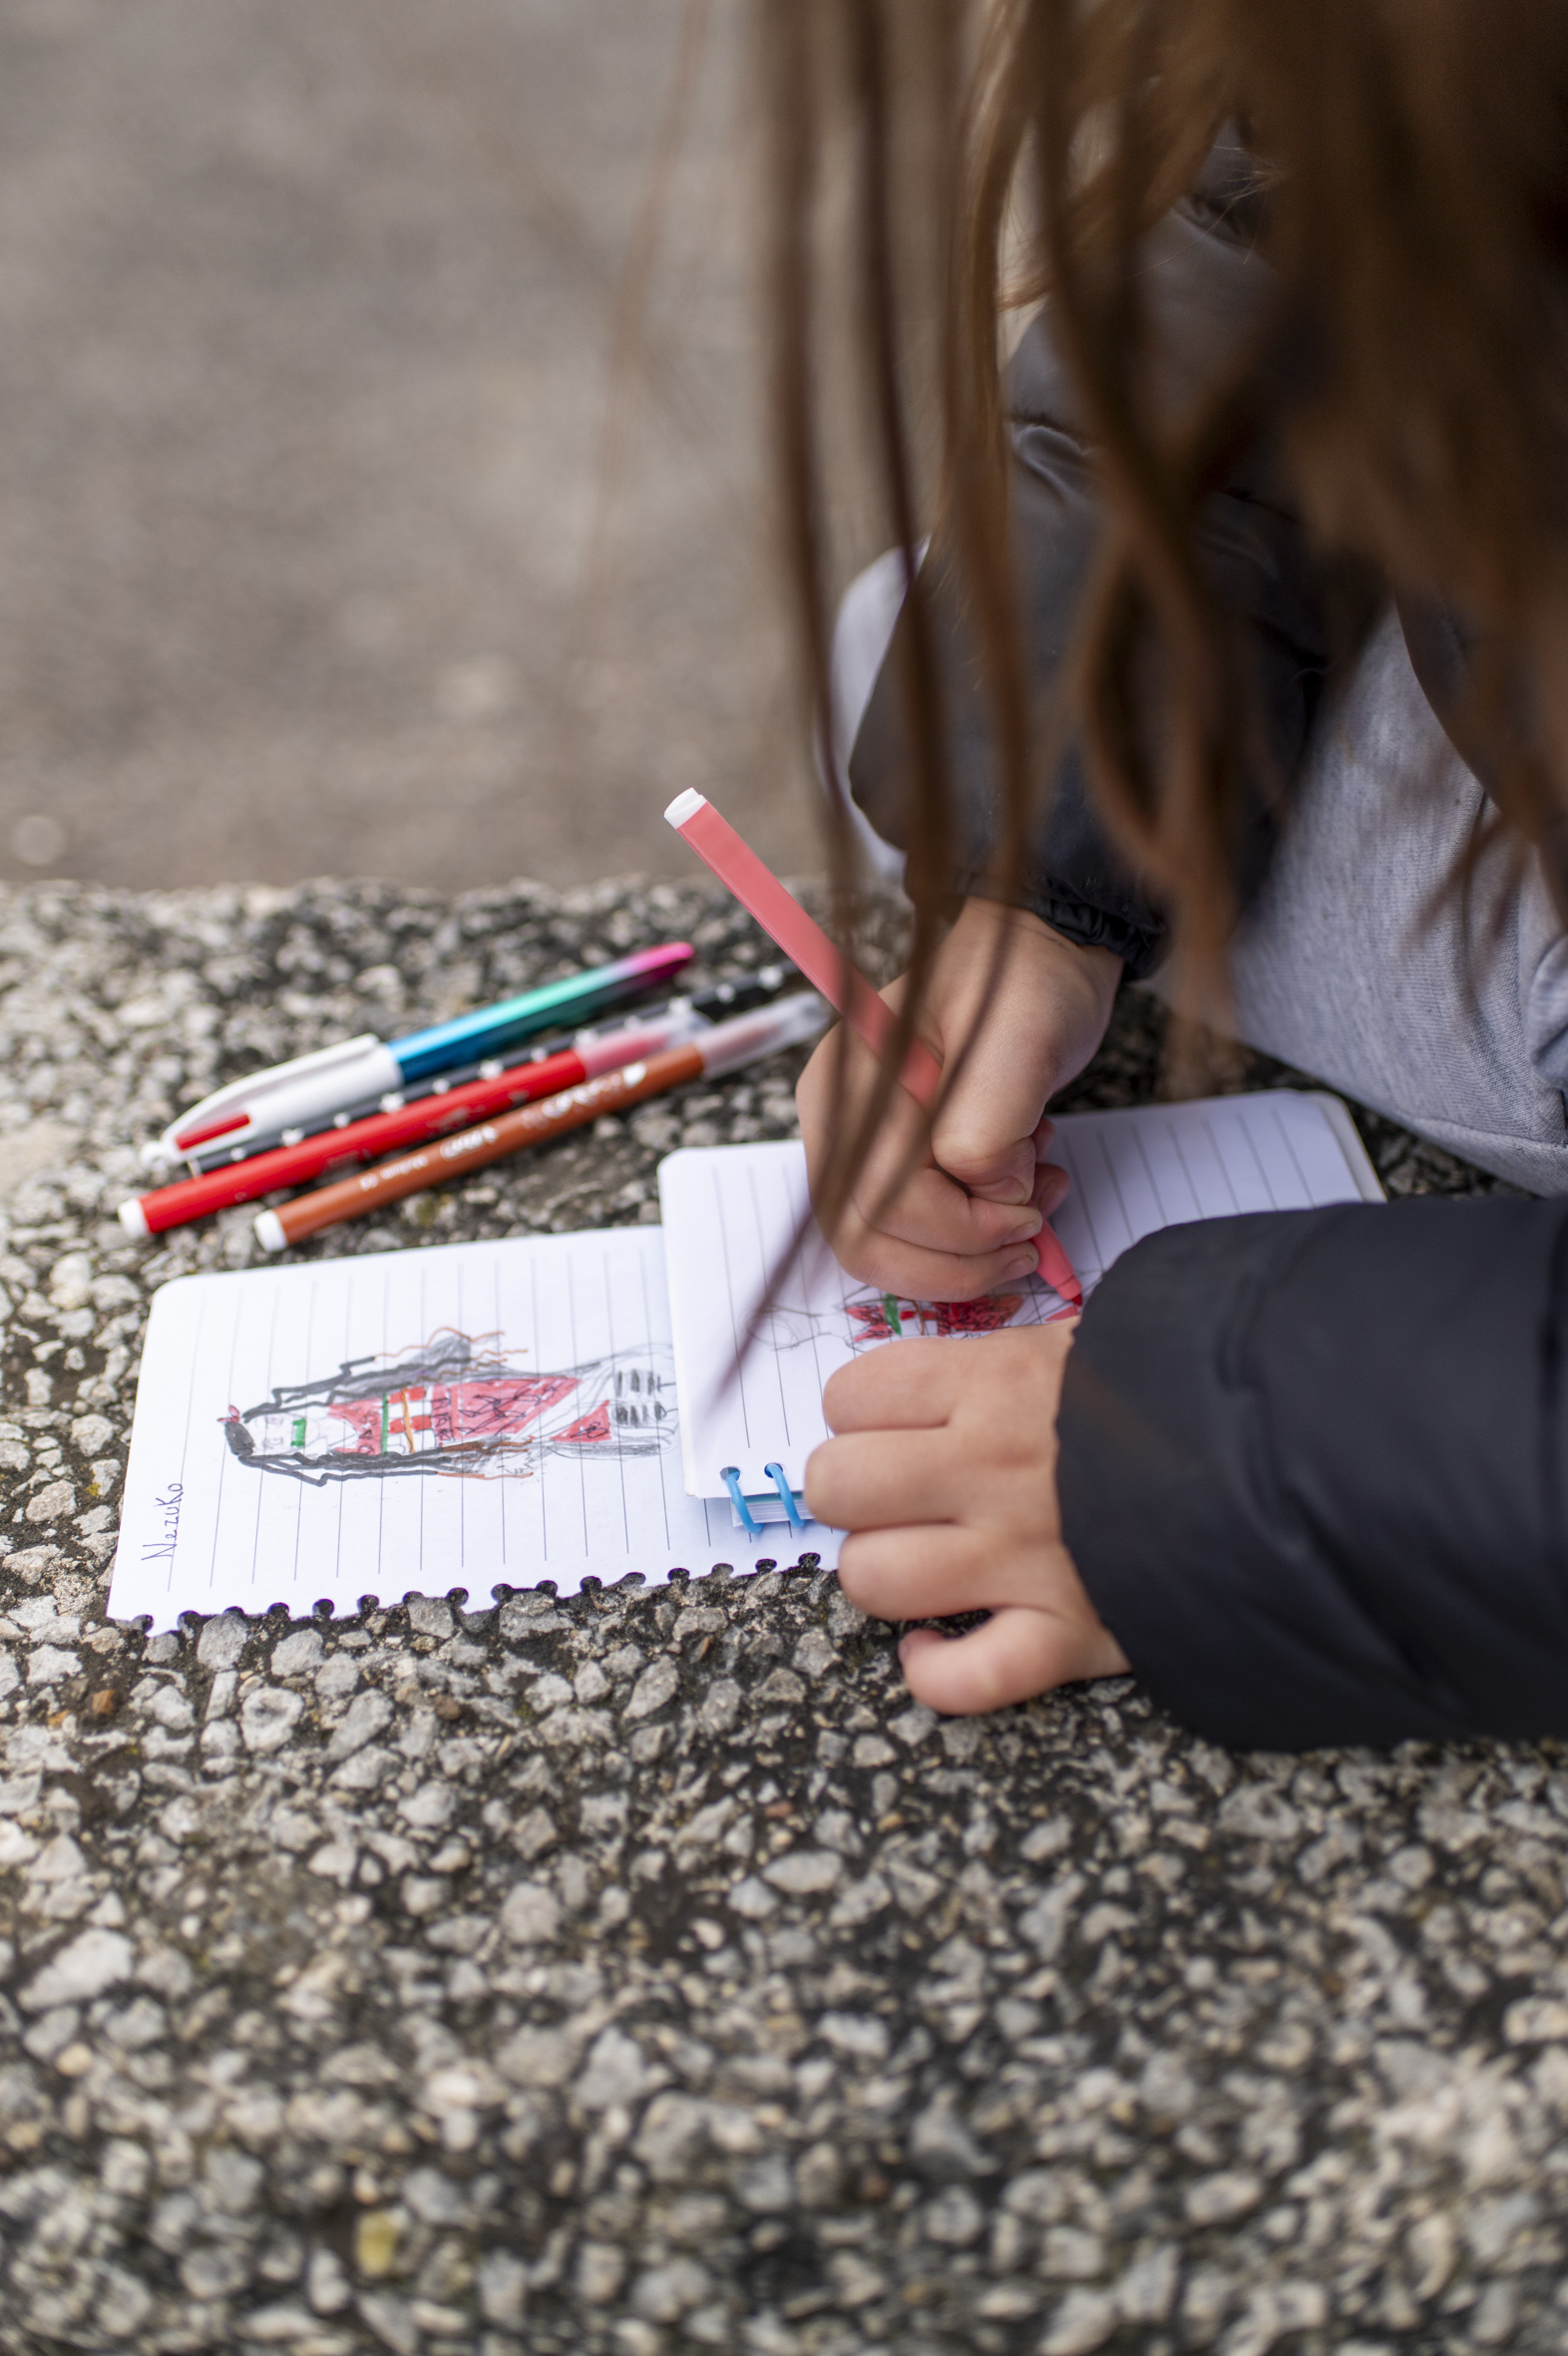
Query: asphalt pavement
347	526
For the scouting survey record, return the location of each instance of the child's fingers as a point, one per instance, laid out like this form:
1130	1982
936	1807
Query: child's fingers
900	1191
917	1383
1051	1189
937	1268
915	1275
873	1480
935	1215
931	1572
1004	1174
902	1207
1019	1653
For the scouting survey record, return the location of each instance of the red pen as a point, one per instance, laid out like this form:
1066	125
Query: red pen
386	1132
802	939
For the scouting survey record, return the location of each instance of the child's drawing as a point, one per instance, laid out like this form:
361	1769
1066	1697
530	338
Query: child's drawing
456	1405
888	1317
865	1317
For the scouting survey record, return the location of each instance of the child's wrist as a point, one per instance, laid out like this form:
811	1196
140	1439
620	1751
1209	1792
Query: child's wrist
1079	977
1098	969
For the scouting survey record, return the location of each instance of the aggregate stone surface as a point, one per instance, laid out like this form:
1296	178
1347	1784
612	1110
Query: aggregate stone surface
643	1973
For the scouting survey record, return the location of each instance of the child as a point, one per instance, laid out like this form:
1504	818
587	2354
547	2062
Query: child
1285	545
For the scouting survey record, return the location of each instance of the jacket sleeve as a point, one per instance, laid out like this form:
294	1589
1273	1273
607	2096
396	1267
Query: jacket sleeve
1207	283
1312	1471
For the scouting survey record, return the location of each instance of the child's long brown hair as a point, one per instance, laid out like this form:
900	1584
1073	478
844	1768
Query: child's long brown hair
1411	160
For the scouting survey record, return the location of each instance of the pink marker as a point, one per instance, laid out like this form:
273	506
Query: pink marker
803	940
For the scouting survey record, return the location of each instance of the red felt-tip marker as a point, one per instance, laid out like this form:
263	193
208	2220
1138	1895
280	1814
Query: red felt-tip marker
803	940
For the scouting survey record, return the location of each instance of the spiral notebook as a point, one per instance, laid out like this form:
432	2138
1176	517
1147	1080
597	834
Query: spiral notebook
552	1409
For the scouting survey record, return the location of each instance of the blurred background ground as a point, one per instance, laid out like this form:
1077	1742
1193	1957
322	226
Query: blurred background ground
307	372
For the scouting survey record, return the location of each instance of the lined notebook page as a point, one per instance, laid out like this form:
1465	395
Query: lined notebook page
1162	1165
404	1423
751	1373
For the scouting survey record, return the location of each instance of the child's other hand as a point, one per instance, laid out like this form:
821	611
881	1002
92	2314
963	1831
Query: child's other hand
963	1217
943	1471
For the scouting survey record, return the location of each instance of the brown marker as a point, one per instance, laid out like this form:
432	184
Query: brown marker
723	1048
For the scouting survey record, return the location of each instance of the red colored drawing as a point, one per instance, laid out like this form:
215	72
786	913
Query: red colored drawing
890	1317
455	1407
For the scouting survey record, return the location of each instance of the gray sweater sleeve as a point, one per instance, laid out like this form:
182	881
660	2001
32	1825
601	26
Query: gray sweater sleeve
1312	1471
1207	283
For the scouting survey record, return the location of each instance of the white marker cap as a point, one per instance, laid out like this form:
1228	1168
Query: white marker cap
686	806
269	1231
133	1220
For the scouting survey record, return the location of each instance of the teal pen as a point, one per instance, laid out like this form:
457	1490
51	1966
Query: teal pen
312	1087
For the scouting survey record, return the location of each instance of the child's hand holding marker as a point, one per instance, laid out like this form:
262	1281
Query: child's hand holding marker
960	1220
943	1468
802	939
